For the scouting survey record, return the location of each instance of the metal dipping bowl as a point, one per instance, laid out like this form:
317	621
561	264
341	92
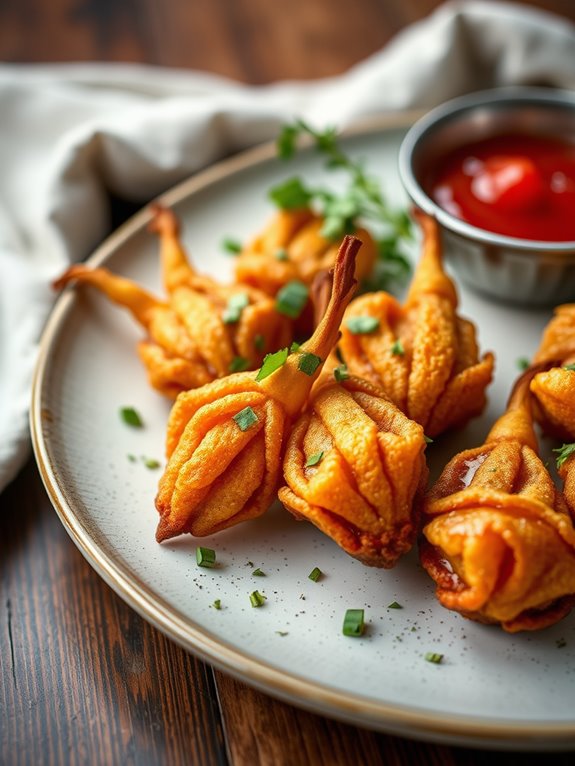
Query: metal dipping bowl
506	268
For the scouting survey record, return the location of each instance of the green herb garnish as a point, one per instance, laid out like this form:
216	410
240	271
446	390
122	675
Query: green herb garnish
272	362
291	194
131	417
291	299
246	418
522	363
236	304
258	573
434	657
340	373
315	574
362	325
427	439
397	348
569	367
308	363
282	632
239	364
314	459
564	452
394	605
151	463
205	557
281	254
353	623
217	604
231	246
257	598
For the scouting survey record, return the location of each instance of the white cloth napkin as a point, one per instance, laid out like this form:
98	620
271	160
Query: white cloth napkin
69	134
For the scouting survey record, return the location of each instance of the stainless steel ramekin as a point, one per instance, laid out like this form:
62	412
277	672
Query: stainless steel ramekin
513	270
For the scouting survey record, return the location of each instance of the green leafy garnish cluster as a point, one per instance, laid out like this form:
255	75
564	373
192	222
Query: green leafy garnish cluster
361	200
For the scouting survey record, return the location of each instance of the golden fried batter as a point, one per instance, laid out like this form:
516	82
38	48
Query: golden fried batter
422	354
224	440
499	541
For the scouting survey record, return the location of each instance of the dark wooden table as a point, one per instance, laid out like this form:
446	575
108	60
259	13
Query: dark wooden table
84	679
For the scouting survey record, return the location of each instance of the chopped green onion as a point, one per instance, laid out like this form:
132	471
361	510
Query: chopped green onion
272	362
290	194
281	254
246	418
131	417
314	459
397	348
353	624
340	373
569	367
522	363
291	299
394	605
362	325
308	363
205	557
434	657
257	598
295	346
315	574
151	463
232	246
239	364
217	604
427	439
282	632
236	304
258	573
564	452
259	342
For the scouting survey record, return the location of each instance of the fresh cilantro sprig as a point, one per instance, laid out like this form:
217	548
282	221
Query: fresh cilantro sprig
362	199
564	453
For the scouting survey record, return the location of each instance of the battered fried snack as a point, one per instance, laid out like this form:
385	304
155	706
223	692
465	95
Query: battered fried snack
224	440
353	466
291	247
203	330
566	467
499	541
422	354
554	388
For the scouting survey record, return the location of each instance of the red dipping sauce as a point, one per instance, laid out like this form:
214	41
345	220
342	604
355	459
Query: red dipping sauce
517	185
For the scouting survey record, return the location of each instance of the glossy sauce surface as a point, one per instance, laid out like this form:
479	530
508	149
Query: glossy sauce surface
517	185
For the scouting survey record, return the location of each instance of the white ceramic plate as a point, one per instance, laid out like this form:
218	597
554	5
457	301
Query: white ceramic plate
492	688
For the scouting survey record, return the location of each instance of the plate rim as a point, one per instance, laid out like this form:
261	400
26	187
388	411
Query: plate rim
289	686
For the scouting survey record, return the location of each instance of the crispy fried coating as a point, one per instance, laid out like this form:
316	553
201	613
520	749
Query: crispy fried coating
291	247
422	354
498	539
554	388
370	466
224	440
203	330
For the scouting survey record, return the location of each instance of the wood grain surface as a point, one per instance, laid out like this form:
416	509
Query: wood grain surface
84	679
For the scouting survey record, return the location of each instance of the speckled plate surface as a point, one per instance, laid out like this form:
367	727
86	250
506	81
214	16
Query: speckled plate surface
493	689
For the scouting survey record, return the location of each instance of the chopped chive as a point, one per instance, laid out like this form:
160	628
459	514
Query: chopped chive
308	363
434	657
314	459
315	574
246	418
239	364
362	325
259	342
397	348
340	373
257	598
281	254
258	573
205	557
231	246
282	632
353	623
564	452
394	605
217	604
272	362
291	299
236	304
427	439
522	363
131	417
569	367
151	463
295	346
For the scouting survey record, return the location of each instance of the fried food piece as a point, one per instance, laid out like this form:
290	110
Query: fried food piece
353	466
567	473
499	541
422	354
291	247
224	440
203	330
554	388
